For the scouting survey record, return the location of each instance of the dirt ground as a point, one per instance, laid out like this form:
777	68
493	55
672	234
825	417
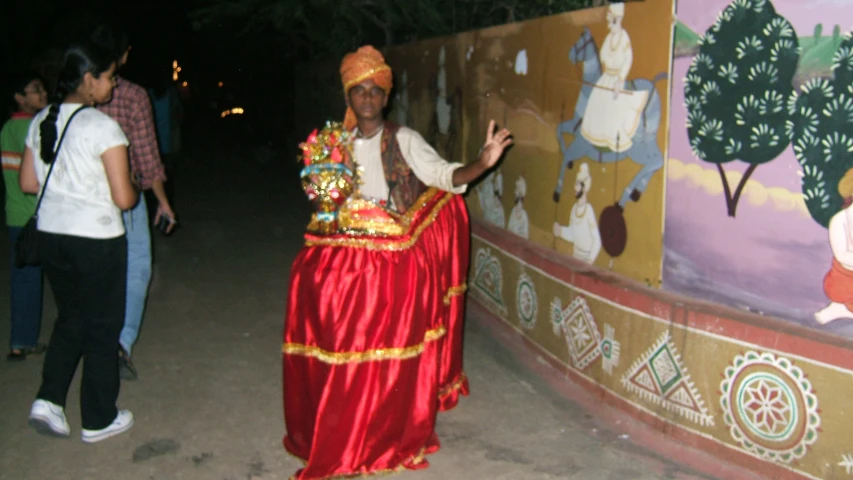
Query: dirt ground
208	399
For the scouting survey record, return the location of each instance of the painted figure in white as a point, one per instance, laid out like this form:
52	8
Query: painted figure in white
582	230
490	193
401	107
613	114
518	222
838	283
521	62
443	107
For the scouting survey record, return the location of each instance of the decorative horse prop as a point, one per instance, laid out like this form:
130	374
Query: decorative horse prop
644	150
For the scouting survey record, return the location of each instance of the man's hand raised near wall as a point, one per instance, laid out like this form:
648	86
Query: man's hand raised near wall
491	152
495	145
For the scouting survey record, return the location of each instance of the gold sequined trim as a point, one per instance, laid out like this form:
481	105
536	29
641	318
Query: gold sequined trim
351	221
340	358
297	457
453	292
389	245
364	76
453	386
415	459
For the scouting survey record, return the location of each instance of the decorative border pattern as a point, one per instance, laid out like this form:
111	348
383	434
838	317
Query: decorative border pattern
706	328
488	281
609	350
577	325
769	406
846	463
526	302
659	376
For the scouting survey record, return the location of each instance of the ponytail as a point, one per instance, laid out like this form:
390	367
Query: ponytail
49	133
79	59
48	127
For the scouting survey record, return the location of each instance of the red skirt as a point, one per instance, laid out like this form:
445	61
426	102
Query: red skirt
373	343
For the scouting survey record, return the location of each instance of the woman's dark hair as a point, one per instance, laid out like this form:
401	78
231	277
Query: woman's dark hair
79	59
111	37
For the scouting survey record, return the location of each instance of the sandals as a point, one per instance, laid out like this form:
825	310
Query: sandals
21	353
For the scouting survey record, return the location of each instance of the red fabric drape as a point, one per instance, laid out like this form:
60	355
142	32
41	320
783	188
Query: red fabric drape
373	343
838	284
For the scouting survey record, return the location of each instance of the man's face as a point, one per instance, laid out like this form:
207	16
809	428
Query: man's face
579	189
367	99
613	22
34	97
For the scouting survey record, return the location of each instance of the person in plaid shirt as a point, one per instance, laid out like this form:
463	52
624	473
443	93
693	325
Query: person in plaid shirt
131	108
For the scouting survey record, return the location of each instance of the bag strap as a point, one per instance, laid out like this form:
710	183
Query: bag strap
56	157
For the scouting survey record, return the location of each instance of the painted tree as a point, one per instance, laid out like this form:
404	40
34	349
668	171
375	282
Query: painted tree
821	131
737	87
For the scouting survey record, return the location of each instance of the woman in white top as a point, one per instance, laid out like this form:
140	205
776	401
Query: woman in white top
81	242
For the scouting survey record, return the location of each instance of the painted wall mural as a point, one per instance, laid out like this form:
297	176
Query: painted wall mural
778	409
761	138
683	367
585	94
758	168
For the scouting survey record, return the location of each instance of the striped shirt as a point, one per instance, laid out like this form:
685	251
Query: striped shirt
20	206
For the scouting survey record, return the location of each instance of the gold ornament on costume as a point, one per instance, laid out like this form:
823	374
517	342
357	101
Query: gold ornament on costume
328	177
331	182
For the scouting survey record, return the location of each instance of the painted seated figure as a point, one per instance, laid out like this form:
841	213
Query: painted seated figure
613	114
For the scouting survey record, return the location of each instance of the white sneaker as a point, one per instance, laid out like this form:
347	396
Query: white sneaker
122	423
48	418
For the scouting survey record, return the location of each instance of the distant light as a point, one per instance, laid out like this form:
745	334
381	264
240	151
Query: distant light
220	84
234	111
175	70
185	84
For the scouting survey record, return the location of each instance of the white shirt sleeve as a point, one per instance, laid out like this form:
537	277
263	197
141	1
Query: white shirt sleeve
425	162
32	139
568	233
108	134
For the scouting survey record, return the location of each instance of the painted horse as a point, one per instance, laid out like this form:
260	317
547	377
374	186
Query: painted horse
644	150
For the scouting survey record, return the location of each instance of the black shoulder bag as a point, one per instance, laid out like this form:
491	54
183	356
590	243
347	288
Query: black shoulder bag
26	246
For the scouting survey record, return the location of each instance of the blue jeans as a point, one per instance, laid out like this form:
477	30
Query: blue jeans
138	271
26	301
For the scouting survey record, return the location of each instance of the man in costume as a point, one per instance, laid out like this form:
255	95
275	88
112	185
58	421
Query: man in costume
373	333
838	283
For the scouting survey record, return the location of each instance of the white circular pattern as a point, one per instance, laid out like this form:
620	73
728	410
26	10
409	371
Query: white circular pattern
526	302
769	406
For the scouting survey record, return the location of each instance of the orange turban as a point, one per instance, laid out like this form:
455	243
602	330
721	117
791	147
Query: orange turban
356	67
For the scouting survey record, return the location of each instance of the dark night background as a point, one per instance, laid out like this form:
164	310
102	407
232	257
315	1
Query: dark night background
277	59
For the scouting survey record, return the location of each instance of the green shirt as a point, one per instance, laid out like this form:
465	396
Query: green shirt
20	206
